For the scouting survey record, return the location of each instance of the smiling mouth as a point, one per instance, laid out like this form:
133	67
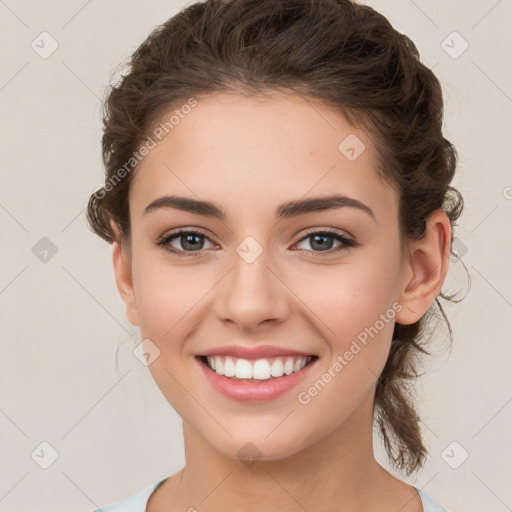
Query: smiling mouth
256	370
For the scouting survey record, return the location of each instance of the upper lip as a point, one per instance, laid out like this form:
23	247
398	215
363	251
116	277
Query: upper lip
260	351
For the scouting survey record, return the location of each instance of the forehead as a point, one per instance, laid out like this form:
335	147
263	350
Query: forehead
250	153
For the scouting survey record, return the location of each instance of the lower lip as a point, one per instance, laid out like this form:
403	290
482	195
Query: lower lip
244	391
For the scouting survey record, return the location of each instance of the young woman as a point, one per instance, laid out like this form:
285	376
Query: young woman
278	198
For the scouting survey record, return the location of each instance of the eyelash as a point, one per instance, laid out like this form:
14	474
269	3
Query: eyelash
347	243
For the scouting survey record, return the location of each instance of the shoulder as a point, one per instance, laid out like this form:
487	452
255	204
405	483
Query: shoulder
135	503
429	505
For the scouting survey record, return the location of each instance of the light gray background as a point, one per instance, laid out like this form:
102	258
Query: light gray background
63	319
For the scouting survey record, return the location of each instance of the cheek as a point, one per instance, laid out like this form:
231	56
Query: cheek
353	308
347	299
356	317
166	296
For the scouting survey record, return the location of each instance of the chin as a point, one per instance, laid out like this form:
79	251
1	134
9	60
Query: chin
257	444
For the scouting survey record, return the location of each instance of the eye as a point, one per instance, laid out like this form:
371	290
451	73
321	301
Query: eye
322	240
191	245
190	242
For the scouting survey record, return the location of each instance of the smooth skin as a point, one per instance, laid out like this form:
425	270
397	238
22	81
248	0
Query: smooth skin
248	155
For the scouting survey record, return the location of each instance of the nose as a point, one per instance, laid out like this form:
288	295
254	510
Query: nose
252	295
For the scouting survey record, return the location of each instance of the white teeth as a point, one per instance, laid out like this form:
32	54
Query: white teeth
277	368
243	369
288	366
219	366
229	367
261	369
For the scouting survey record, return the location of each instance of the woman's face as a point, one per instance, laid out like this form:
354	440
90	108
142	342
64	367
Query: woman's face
257	278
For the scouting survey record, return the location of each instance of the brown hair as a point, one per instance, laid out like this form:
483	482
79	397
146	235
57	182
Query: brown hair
349	57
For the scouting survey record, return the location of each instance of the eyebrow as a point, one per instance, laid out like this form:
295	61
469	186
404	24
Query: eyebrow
284	211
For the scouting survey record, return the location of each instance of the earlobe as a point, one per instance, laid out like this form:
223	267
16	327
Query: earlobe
124	281
426	269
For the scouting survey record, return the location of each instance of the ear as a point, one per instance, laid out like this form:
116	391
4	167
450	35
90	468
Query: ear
425	271
123	273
